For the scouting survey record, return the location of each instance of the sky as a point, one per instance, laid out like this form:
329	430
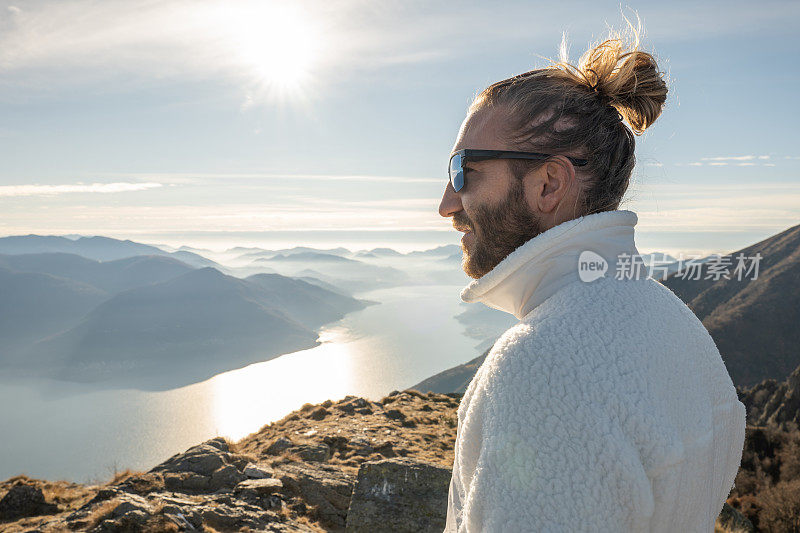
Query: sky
223	123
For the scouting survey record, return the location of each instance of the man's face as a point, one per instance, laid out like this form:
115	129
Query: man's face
492	208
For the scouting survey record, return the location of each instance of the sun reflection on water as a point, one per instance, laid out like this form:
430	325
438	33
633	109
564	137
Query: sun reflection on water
244	398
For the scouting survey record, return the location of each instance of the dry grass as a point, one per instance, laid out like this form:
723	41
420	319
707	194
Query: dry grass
100	513
119	477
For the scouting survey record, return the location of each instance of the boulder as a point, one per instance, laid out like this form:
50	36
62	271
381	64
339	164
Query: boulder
279	445
312	452
202	459
320	485
399	495
24	500
206	467
319	413
256	471
259	487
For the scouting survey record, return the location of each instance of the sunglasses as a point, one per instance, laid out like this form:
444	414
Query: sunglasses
459	158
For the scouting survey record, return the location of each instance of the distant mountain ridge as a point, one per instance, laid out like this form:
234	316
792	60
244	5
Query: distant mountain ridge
97	247
113	276
201	322
151	318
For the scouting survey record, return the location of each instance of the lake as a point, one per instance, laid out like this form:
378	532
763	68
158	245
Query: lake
60	430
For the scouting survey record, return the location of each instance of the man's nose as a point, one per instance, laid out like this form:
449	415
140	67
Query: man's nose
451	202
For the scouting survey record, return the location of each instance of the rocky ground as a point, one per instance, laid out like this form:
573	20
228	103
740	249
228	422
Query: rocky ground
296	474
353	465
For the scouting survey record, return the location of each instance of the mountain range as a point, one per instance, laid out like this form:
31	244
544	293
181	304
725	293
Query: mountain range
95	247
149	320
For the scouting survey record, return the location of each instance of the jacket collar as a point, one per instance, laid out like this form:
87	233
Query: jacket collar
549	261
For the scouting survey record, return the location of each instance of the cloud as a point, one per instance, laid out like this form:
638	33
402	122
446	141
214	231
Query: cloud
36	190
227	178
80	42
142	41
714	208
735	158
743	161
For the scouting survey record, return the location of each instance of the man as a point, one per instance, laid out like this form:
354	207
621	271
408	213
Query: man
607	407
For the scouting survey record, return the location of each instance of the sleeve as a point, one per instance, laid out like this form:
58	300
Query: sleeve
553	457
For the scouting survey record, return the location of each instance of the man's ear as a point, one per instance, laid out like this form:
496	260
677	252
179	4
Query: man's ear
547	187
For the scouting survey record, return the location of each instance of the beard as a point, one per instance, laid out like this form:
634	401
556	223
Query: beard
497	231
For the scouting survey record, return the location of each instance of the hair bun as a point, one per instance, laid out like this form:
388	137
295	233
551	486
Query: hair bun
624	77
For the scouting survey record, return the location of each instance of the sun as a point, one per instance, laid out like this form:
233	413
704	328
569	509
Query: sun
277	44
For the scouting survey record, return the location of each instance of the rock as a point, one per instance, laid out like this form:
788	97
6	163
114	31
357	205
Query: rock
203	459
399	495
131	503
254	471
131	513
187	481
361	446
218	443
351	404
346	408
319	413
323	486
259	487
386	449
335	442
175	515
395	414
24	500
234	517
312	452
280	444
773	403
731	520
206	467
226	476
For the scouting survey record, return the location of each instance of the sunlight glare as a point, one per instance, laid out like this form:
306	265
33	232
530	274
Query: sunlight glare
247	398
278	44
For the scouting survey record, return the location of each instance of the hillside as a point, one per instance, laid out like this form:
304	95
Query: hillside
752	321
33	305
351	464
453	379
111	276
310	304
187	329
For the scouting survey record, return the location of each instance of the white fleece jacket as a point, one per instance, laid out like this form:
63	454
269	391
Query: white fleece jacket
606	408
